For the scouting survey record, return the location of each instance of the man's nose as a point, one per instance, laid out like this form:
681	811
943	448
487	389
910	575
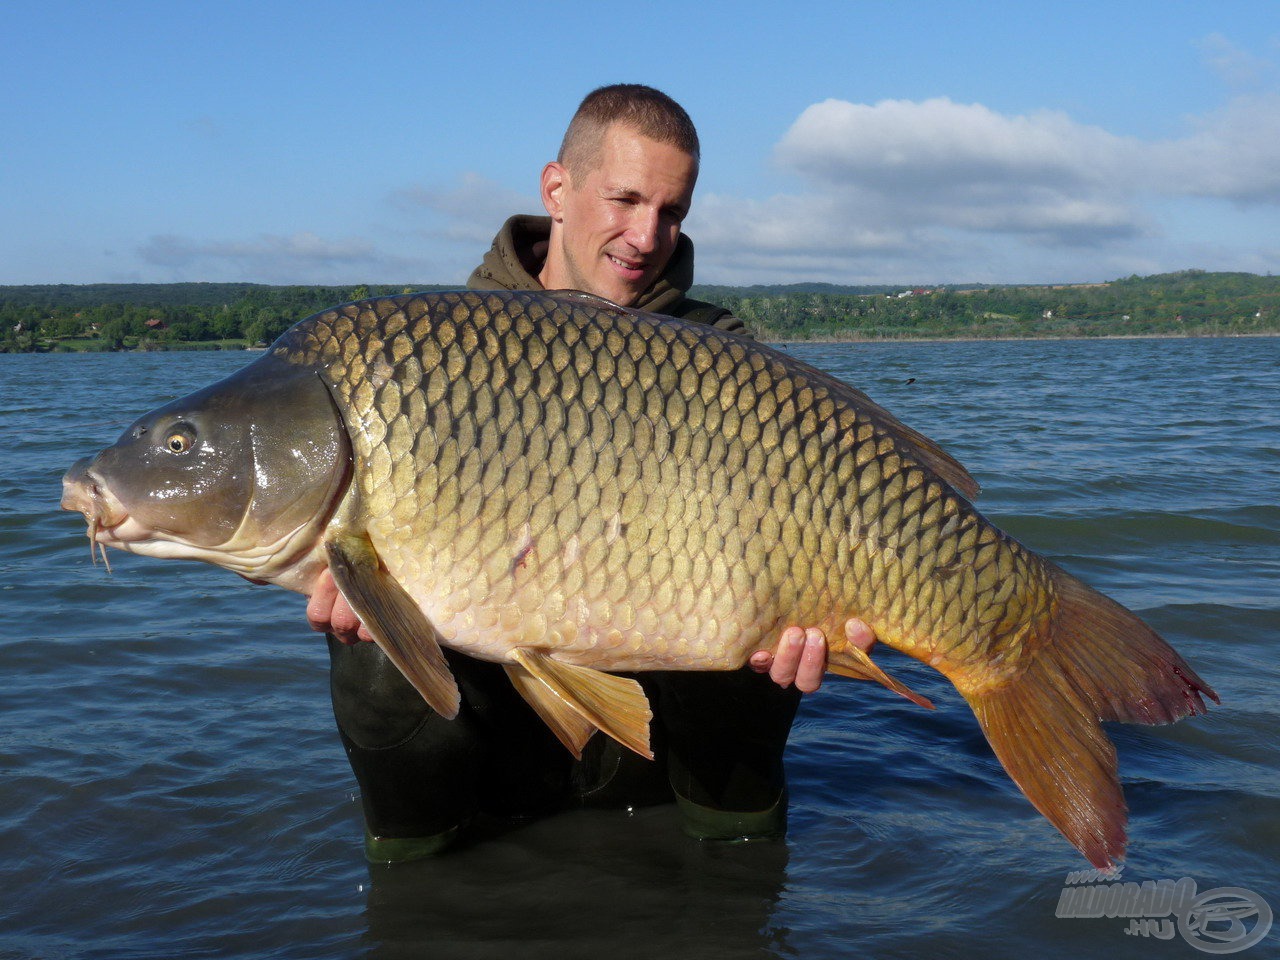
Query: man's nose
643	231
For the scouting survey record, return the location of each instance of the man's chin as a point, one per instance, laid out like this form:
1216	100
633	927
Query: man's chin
623	298
621	285
629	294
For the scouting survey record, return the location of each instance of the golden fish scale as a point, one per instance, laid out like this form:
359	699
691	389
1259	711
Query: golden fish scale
631	494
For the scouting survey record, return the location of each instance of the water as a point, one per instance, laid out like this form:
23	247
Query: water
172	785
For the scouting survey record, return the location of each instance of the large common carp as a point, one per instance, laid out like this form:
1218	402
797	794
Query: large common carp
566	487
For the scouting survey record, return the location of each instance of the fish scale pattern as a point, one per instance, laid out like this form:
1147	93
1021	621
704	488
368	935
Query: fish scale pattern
557	472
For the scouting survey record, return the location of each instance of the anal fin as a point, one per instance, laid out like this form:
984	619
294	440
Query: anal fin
616	705
848	660
403	632
570	727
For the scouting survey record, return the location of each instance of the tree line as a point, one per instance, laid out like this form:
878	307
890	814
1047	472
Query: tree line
162	316
213	315
1187	303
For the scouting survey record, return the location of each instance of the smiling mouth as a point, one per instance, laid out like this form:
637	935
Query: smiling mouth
630	266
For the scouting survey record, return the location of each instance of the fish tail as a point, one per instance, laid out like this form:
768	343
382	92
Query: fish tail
1099	662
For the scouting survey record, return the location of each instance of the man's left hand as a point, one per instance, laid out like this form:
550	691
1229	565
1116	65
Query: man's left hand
801	655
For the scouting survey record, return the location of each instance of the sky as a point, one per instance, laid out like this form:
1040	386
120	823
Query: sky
897	142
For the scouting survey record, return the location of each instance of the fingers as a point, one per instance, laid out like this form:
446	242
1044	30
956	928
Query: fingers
860	635
329	612
320	604
762	661
347	624
800	658
813	661
801	655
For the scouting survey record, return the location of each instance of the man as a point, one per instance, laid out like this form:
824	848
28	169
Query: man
615	196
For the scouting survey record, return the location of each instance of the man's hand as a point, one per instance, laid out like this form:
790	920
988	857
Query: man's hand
329	612
801	655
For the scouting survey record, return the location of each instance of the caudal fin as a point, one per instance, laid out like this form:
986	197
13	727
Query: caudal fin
1100	663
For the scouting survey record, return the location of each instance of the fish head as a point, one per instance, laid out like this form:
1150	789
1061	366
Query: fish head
243	474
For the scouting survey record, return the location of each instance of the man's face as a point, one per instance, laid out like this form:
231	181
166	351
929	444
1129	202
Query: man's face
615	226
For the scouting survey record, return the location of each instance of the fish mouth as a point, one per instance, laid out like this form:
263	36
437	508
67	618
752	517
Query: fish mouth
83	491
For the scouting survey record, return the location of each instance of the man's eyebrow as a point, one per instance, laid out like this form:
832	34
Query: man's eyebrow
618	190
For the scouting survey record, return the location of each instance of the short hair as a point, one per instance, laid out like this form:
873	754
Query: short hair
649	112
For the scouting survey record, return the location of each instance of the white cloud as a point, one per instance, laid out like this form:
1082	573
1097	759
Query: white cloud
1236	66
449	228
930	187
803	223
943	164
945	143
270	258
1233	153
472	210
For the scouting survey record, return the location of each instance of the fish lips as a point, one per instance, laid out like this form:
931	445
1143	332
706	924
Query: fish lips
84	492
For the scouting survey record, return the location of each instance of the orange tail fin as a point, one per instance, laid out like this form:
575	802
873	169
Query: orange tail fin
1100	663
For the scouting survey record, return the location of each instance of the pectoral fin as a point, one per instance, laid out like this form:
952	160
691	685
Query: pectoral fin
852	661
616	705
403	632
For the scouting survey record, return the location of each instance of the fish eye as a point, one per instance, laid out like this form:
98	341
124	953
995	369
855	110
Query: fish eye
180	439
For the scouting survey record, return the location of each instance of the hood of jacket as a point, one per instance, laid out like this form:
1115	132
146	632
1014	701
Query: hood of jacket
520	249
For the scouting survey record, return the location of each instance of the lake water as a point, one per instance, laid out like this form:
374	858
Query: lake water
172	785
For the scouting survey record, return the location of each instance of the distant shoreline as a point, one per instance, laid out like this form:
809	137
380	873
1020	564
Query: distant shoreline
817	341
1191	303
1264	334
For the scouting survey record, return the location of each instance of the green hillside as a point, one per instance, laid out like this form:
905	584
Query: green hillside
228	315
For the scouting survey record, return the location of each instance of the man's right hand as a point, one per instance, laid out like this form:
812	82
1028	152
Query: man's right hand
329	612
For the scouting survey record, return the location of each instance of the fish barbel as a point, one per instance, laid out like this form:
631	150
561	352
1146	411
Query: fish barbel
566	487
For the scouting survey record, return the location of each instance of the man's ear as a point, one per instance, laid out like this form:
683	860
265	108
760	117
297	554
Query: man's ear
555	180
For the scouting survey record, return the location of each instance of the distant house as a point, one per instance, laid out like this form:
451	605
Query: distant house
155	323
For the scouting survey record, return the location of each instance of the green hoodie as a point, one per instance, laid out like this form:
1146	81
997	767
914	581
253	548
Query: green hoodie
516	257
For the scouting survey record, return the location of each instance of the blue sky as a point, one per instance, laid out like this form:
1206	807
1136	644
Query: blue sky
855	142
